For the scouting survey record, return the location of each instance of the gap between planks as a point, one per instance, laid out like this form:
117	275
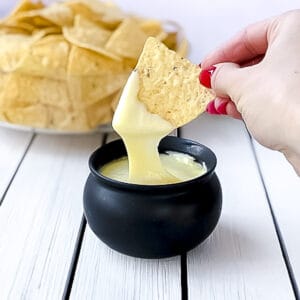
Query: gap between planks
277	227
77	248
183	260
17	168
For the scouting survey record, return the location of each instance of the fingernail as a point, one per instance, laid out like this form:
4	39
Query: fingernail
221	109
210	108
205	76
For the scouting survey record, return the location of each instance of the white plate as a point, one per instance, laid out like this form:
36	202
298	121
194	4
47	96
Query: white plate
103	129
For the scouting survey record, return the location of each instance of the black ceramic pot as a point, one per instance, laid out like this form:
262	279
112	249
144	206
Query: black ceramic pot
153	221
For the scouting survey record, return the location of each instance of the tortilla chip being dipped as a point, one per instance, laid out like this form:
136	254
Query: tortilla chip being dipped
169	84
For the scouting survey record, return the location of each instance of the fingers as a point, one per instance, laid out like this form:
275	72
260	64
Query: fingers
223	79
223	106
250	43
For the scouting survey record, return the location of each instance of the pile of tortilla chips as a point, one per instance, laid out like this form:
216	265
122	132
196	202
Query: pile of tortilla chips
63	66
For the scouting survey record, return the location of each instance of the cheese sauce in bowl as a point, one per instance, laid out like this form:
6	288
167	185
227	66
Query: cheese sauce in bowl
157	220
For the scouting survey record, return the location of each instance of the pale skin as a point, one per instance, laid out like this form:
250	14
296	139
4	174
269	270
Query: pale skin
258	76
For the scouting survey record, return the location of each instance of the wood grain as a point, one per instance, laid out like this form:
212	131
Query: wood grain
104	274
283	187
12	148
40	217
242	259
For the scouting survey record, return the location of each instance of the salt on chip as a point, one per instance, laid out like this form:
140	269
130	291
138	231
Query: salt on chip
127	40
169	84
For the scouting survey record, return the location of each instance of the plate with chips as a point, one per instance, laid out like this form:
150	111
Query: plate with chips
63	66
106	128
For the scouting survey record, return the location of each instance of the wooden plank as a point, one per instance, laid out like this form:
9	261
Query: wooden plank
242	259
283	187
107	275
40	217
12	148
104	274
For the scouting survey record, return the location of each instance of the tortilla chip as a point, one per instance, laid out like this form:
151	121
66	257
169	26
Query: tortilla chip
127	40
171	40
23	90
151	27
88	35
27	28
13	47
96	13
99	113
57	13
116	98
47	58
23	6
95	88
169	84
182	48
33	19
35	115
107	14
83	62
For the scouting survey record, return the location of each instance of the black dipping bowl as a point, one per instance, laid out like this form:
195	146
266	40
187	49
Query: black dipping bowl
153	221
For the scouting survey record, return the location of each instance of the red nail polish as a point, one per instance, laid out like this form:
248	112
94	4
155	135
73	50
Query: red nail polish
205	76
221	109
210	108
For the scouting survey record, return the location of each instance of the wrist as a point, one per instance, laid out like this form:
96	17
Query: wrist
294	160
292	149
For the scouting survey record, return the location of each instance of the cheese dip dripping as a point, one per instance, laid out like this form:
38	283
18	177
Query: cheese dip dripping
141	132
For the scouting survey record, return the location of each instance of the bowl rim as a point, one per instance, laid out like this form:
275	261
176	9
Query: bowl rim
211	165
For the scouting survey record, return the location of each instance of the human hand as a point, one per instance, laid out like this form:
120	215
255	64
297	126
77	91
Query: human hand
256	77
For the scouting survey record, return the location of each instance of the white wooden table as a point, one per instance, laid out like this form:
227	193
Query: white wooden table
48	252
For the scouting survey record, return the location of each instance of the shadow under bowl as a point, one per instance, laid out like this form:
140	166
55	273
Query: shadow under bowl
153	221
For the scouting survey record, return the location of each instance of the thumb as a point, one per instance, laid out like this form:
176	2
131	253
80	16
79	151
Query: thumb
223	78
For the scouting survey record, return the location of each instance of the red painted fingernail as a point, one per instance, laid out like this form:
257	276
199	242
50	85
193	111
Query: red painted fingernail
210	108
205	76
221	109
